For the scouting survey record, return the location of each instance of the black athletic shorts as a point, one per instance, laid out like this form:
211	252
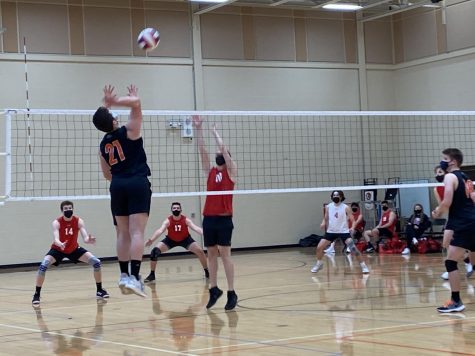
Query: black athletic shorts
183	243
130	195
385	232
73	256
464	239
217	230
357	234
331	236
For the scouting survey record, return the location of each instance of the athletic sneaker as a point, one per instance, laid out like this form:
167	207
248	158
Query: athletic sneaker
36	300
347	250
102	294
445	276
406	251
364	268
206	273
150	278
415	241
468	269
124	279
214	294
317	267
232	300
451	307
136	286
370	249
329	249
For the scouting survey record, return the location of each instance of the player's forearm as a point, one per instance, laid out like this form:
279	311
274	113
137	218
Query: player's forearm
126	101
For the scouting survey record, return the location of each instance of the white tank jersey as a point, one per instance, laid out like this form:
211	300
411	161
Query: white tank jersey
337	219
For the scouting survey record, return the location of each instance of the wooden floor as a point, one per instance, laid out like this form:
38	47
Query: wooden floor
283	309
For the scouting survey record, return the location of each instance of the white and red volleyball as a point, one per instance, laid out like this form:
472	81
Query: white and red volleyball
148	39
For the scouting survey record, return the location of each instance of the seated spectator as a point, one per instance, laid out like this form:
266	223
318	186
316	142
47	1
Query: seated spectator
385	228
417	224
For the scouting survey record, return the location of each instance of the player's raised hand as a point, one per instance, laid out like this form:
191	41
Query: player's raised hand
197	121
132	90
109	95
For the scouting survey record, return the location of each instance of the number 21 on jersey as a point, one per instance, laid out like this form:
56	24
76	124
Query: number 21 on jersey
110	148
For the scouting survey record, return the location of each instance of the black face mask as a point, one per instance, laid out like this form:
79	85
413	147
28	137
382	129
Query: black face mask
417	212
68	213
385	207
176	212
336	200
439	179
354	209
220	160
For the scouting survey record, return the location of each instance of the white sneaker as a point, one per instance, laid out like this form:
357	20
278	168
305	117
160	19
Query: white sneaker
406	251
364	268
329	249
317	267
414	241
348	250
124	279
445	276
136	286
468	269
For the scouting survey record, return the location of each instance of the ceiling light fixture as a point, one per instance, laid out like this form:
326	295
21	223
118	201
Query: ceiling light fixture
342	7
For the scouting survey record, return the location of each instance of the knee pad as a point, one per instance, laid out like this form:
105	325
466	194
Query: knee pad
451	265
95	263
155	253
43	267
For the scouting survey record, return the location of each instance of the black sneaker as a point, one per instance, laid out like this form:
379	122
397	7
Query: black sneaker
102	294
206	273
214	294
150	278
451	307
36	300
232	300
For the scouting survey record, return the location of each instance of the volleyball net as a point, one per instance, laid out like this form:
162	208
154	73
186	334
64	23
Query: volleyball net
52	154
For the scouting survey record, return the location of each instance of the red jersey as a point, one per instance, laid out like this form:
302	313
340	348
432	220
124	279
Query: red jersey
177	230
385	220
68	233
361	225
440	190
219	205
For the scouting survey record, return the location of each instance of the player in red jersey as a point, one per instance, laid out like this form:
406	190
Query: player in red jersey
385	228
65	245
218	212
177	235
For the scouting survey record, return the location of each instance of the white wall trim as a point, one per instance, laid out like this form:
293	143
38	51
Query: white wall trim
277	64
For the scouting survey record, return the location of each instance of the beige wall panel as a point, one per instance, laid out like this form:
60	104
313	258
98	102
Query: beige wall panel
442	85
75	2
175	33
441	33
138	24
300	39
231	10
76	29
380	89
351	44
79	85
398	39
163	5
248	37
461	26
273	12
137	4
280	89
45	27
107	31
9	21
325	40
378	42
420	36
108	3
275	39
221	36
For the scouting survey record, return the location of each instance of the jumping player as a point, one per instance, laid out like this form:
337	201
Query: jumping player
124	163
335	221
461	223
177	235
65	245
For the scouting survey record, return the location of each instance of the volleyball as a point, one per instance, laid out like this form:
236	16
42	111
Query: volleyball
148	39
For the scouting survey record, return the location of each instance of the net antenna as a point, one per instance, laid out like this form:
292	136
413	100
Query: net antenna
28	117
